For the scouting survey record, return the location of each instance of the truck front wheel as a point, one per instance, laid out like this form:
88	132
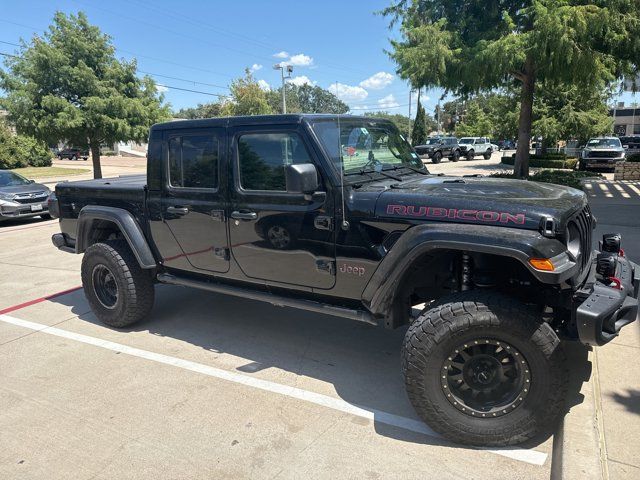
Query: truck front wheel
482	369
119	292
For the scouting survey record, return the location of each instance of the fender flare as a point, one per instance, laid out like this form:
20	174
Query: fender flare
126	223
379	294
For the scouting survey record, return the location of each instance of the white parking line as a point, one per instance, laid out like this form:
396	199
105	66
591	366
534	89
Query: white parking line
524	455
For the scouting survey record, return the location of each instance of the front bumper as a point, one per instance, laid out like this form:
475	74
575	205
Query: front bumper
598	162
22	210
601	310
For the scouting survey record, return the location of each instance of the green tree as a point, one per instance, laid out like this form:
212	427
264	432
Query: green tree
307	98
203	110
402	122
67	85
419	133
468	46
475	123
247	98
21	150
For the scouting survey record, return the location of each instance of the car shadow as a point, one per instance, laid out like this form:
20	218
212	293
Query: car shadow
25	221
362	362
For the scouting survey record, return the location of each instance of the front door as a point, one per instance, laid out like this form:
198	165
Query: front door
193	204
278	236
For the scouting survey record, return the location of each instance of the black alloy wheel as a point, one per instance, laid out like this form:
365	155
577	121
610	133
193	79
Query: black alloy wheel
485	378
105	286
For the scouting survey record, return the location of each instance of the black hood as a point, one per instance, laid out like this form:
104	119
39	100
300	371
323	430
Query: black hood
505	202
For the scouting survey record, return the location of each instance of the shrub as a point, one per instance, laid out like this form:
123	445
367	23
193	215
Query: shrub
22	151
559	177
556	160
634	157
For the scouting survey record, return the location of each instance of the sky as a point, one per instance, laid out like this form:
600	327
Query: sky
203	45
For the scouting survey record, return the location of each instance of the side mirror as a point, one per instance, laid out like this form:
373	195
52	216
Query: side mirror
301	178
32	181
626	147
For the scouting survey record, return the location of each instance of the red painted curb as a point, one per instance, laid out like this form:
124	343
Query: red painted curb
38	300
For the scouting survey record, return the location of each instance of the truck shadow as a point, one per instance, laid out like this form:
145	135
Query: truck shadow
361	362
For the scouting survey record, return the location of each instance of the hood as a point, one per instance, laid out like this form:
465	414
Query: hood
504	202
29	188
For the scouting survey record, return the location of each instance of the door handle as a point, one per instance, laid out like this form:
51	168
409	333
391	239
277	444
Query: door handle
178	210
244	215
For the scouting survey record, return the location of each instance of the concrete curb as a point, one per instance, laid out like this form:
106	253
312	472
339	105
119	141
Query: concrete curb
577	450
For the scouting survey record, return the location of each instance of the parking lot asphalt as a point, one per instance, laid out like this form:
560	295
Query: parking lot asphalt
209	387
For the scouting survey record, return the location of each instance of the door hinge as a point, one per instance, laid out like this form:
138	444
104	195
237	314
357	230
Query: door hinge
326	266
221	253
322	222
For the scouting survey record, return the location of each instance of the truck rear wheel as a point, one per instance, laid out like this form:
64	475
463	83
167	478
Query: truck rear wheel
119	292
482	369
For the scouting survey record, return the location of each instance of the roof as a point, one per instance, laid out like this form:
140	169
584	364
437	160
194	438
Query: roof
255	120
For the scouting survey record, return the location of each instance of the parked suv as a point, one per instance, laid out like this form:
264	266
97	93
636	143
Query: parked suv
72	154
339	216
631	144
601	152
471	147
437	147
21	198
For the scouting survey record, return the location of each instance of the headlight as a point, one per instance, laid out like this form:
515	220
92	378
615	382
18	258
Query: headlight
6	196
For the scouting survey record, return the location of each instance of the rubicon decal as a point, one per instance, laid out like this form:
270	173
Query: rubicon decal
487	216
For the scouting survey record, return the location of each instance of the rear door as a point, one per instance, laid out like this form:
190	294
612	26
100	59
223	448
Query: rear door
193	201
275	235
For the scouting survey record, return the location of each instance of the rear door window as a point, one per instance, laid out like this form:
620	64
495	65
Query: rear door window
193	161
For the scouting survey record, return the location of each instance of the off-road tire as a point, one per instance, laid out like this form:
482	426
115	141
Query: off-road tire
436	158
134	285
470	155
462	318
455	156
487	154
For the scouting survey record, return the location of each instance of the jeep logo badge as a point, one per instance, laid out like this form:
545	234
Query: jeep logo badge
352	269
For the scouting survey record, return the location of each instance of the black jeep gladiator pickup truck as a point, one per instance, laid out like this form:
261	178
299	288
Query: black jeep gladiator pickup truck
338	215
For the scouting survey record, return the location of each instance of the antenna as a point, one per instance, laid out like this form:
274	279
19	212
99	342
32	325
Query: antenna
345	223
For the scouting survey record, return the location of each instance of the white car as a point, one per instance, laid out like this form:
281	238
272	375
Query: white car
471	147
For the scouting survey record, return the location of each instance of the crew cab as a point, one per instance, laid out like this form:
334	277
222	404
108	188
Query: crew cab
471	147
338	215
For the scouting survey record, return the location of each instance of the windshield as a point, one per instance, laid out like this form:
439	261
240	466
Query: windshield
432	141
364	145
10	179
466	141
604	142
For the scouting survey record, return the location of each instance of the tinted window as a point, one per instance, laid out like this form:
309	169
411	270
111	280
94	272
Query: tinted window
264	156
193	161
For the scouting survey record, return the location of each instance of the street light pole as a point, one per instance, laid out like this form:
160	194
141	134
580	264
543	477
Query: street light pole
289	68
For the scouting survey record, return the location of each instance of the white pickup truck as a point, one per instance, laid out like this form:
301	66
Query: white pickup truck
470	147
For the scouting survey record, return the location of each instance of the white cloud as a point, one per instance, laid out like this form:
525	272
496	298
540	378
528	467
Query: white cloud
301	80
281	54
388	102
255	67
300	60
264	85
348	93
377	81
161	88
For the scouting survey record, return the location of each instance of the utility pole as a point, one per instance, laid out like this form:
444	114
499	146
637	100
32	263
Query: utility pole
410	124
289	68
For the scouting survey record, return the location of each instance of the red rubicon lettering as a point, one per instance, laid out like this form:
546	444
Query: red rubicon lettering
519	218
421	211
396	210
487	216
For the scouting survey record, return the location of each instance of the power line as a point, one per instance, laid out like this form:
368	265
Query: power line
192	91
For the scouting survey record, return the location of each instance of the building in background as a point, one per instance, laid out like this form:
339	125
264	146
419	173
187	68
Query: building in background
626	119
